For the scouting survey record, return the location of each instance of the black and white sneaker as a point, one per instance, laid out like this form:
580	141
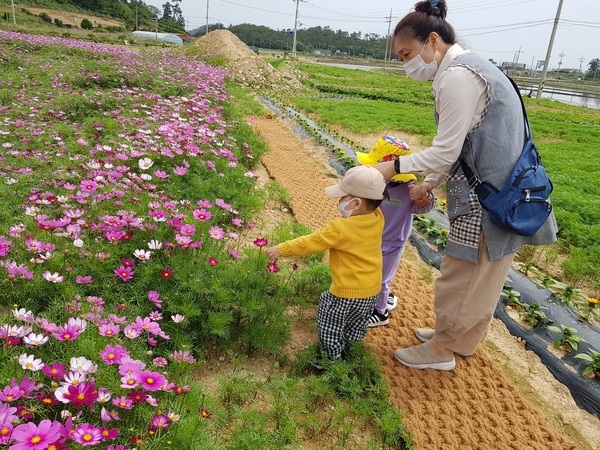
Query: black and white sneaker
392	301
377	319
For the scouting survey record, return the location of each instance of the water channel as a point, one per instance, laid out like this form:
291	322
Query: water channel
571	97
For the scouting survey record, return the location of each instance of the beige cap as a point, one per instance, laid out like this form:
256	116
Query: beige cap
359	181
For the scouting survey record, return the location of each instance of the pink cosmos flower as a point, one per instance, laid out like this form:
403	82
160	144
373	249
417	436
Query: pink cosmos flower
87	435
160	421
30	436
161	174
87	279
68	333
151	381
201	214
234	253
148	325
109	329
124	273
113	354
159	361
187	230
213	262
216	233
204	204
88	185
123	402
154	297
10	394
272	267
129	381
180	170
183	356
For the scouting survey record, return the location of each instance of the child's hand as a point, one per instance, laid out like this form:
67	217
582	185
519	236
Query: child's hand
272	253
419	194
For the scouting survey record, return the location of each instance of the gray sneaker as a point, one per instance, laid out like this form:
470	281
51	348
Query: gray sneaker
424	334
420	357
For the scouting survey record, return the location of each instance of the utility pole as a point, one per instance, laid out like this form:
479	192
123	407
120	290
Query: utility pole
518	55
549	52
581	60
156	27
206	29
562	55
13	11
136	16
295	30
387	40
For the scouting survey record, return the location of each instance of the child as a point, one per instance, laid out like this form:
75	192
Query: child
398	212
354	244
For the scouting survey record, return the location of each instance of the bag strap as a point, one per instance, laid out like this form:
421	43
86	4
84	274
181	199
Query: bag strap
473	180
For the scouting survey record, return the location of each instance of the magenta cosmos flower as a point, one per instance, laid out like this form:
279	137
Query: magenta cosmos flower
272	267
261	242
124	273
151	381
30	436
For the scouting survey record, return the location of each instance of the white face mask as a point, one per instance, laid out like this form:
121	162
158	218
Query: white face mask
342	208
419	70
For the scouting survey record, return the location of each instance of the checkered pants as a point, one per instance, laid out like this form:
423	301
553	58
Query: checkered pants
342	320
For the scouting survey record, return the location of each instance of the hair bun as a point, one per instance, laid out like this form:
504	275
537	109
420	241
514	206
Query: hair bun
437	8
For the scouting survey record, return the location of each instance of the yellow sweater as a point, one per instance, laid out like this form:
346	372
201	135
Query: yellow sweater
354	245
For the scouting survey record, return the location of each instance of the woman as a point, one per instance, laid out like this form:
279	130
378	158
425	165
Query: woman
479	117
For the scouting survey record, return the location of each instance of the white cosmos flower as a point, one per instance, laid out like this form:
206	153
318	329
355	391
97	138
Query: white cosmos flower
78	243
10	181
146	176
23	314
82	365
32	211
142	255
178	318
145	163
35	339
154	245
53	277
29	362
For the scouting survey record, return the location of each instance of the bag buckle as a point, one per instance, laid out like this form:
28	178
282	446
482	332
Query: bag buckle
474	181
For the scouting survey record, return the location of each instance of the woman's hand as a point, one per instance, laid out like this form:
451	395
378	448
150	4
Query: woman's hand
387	169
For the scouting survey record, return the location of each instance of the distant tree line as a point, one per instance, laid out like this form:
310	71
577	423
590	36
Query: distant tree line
310	40
135	13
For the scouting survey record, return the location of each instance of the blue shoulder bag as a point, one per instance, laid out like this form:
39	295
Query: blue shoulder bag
523	204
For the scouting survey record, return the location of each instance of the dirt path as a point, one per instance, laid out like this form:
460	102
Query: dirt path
500	398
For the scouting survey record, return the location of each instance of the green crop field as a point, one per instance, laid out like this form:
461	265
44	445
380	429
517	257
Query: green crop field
568	138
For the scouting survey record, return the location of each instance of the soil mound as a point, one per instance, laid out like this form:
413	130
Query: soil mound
245	67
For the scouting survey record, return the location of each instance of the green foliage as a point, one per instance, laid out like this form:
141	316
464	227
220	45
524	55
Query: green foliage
533	314
86	24
45	17
568	336
592	358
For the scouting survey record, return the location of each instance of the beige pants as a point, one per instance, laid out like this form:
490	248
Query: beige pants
465	299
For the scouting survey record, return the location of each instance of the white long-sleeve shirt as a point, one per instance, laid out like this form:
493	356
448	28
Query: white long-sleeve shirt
460	100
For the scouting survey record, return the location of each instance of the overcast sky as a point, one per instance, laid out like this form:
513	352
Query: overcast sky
496	29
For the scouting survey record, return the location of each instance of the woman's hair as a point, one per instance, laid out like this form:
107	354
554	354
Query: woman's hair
428	16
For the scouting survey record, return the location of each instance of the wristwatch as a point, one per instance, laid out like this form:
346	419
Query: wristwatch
397	165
